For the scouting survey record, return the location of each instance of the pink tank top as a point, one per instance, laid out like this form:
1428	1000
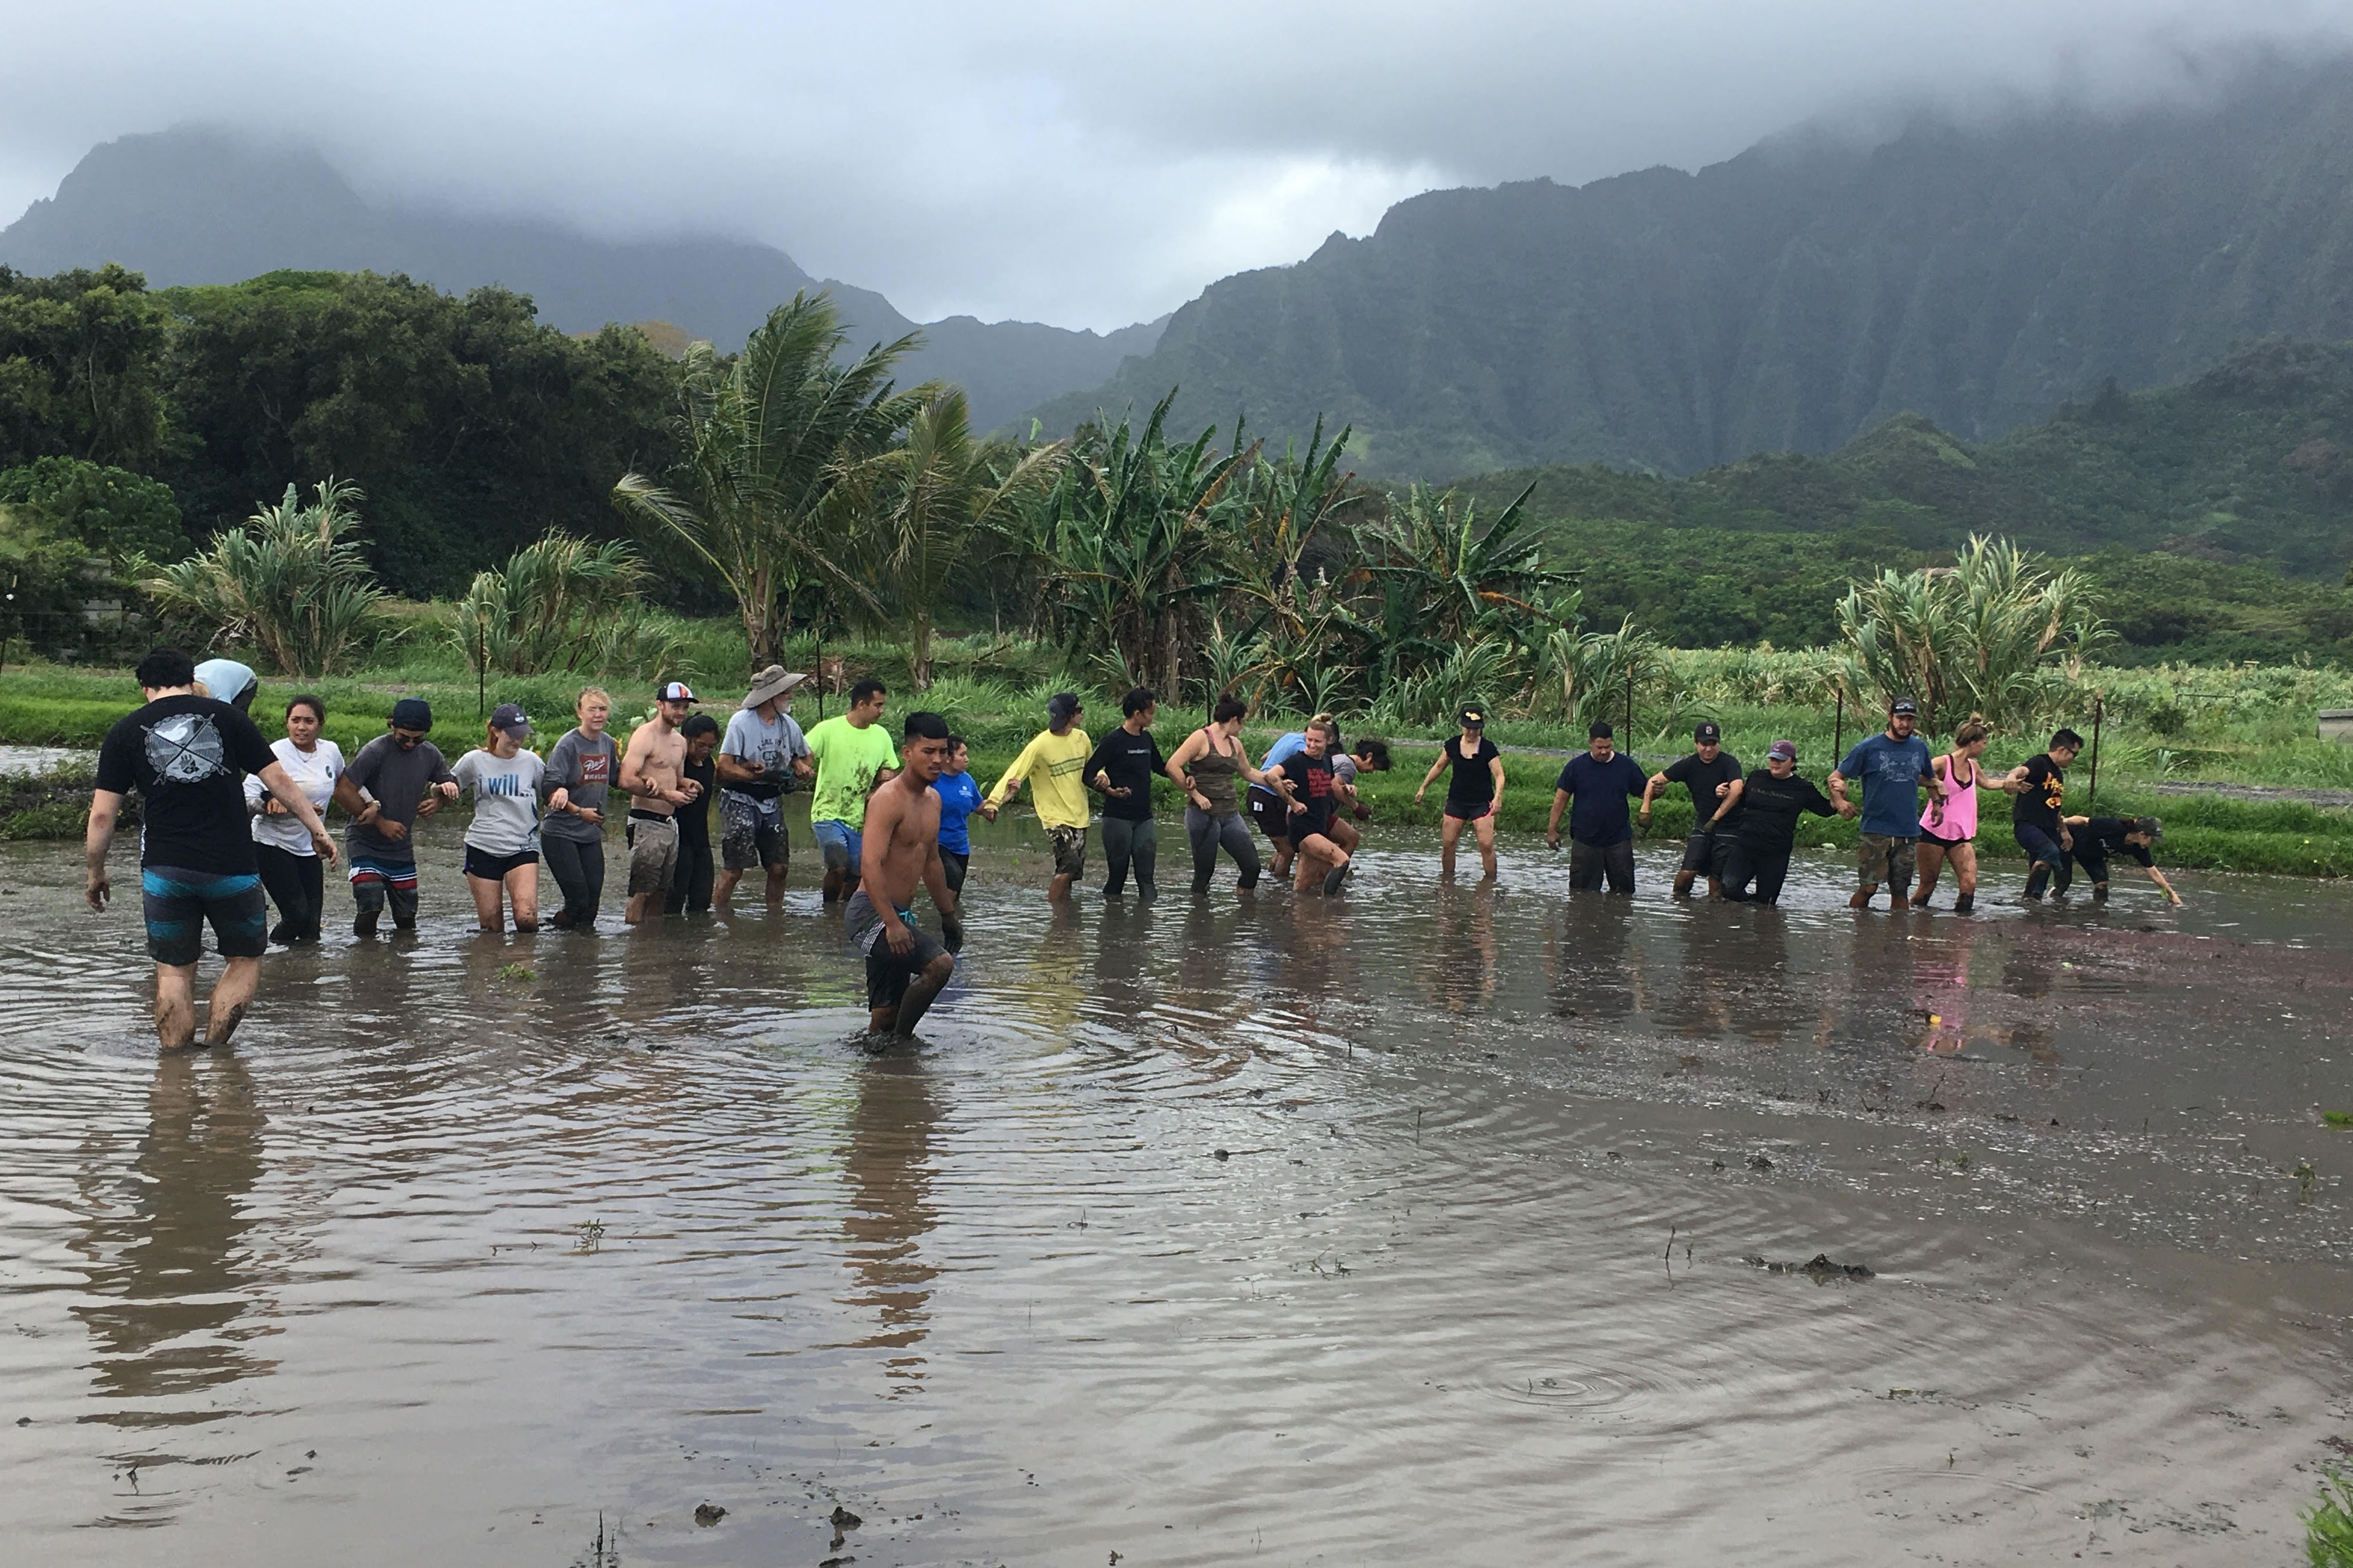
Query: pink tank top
1956	816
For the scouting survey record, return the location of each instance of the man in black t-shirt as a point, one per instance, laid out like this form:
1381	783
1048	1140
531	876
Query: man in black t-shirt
2095	839
2038	788
187	756
1709	772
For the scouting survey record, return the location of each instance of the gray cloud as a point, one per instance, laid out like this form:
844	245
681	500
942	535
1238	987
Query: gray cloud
1077	163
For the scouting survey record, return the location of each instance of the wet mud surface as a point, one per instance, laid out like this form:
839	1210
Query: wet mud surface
1423	1224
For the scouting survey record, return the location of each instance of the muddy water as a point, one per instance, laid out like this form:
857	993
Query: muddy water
1410	1228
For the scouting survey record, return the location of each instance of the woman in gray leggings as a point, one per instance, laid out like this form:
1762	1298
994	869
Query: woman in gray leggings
1205	767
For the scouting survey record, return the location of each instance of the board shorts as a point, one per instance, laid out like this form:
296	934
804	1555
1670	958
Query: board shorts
1703	854
1469	811
1069	850
1888	857
843	846
1272	816
177	903
400	876
653	854
492	868
749	836
888	973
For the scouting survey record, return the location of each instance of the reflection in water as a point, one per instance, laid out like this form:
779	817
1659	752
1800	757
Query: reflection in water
1591	965
890	1169
1461	963
168	1266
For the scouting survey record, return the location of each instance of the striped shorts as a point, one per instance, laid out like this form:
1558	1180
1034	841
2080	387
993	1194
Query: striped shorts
177	903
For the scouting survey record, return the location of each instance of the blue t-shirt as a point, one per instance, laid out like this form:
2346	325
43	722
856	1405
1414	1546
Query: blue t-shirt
1285	747
1598	791
1889	771
959	798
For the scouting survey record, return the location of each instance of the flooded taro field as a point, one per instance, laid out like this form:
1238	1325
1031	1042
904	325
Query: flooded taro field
1421	1225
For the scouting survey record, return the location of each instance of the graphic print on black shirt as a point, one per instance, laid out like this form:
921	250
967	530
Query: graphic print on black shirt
2039	802
1311	781
187	758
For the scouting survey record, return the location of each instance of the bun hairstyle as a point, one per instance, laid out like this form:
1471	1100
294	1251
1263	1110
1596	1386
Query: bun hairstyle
1973	730
1229	706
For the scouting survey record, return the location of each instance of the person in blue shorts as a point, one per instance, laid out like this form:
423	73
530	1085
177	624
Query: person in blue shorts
187	757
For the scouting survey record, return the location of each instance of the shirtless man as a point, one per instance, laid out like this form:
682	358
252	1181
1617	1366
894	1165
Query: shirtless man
653	775
905	966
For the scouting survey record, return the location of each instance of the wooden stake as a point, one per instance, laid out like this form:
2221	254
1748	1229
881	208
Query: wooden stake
2099	711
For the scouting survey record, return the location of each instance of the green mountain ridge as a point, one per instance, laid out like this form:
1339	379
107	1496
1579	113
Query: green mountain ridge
1792	297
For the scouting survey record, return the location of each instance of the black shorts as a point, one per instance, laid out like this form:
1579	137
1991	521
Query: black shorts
1273	817
1470	810
888	973
177	903
492	868
1941	842
1702	854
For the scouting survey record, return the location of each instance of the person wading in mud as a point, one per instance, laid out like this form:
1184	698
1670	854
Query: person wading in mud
1206	768
1711	774
187	756
653	774
763	756
1593	788
2096	839
1054	763
1312	798
1123	768
1893	765
851	757
1948	829
2037	814
1759	820
1475	793
899	845
405	777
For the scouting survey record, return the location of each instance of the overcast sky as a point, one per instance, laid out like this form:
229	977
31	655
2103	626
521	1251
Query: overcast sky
1088	162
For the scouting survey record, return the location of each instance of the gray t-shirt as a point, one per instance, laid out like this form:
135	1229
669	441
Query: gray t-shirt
753	739
506	800
585	770
398	780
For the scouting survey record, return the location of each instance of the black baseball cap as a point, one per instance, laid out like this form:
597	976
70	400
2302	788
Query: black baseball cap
1471	718
1904	705
509	717
1707	732
412	714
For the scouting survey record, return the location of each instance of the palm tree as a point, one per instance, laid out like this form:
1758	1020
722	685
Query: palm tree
770	437
288	582
937	489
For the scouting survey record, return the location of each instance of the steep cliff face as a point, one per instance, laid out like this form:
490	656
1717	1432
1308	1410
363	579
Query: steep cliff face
1794	296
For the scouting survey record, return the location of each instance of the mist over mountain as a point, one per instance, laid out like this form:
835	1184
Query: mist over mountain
1794	296
199	205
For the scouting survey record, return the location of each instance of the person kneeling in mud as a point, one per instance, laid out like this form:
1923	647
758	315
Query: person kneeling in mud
2095	839
905	966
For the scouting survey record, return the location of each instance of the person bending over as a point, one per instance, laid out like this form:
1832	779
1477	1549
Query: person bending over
900	847
2096	838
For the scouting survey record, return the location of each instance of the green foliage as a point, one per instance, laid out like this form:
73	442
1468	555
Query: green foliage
1991	636
767	441
1445	584
562	603
112	511
933	495
291	584
473	429
2328	1522
79	372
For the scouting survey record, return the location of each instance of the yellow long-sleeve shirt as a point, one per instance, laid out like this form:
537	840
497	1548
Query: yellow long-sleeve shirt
1054	765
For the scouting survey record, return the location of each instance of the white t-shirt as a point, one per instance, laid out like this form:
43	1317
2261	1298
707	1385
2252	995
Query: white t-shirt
753	739
314	774
506	799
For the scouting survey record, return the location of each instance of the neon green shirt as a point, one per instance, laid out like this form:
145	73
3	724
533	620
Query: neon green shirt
1054	765
847	760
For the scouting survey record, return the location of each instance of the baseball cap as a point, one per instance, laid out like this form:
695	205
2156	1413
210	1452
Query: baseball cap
509	717
412	714
675	691
1062	707
1904	705
1785	749
1707	732
1471	718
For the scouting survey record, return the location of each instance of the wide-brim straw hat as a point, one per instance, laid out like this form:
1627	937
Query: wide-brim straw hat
771	682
